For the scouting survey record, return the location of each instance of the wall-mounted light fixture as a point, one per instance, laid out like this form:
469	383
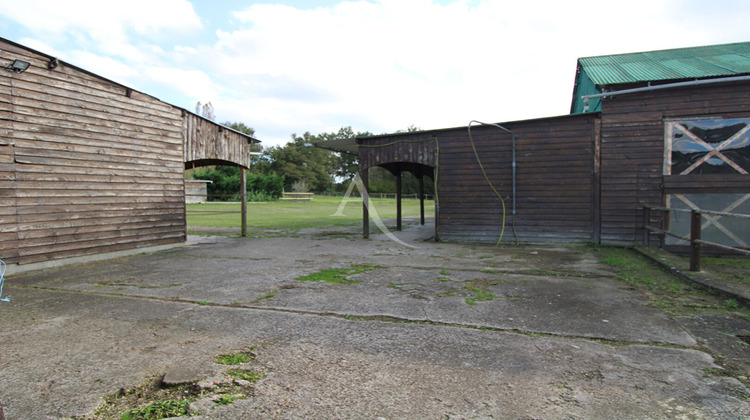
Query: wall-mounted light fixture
18	66
52	63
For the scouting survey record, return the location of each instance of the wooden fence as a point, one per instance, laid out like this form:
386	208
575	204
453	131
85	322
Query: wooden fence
695	231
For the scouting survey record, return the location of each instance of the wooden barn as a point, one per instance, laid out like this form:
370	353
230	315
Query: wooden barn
658	128
89	166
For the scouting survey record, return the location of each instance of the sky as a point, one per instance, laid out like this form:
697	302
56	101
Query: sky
290	67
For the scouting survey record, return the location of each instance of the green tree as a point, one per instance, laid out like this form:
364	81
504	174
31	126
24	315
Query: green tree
346	164
239	126
299	161
319	168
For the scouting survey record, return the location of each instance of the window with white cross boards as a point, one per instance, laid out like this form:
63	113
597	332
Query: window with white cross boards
701	147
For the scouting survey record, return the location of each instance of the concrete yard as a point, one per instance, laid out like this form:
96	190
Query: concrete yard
437	331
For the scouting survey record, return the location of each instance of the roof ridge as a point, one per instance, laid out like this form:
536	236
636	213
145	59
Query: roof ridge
747	43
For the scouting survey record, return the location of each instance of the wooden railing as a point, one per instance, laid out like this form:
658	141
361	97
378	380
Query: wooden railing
297	196
694	240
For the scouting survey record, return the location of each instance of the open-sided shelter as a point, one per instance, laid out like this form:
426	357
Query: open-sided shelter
89	166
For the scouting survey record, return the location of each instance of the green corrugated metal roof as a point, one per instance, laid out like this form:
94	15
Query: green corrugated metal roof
681	63
678	64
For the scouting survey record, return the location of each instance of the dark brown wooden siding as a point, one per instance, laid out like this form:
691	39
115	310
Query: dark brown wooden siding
554	181
633	152
404	148
556	178
86	165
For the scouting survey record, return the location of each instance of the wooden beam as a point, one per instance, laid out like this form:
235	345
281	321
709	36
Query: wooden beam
365	204
596	183
398	197
243	198
421	196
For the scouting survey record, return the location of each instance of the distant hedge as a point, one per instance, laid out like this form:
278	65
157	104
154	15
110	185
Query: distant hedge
225	185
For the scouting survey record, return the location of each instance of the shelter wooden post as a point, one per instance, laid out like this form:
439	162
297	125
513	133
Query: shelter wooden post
243	199
365	204
398	197
421	196
437	204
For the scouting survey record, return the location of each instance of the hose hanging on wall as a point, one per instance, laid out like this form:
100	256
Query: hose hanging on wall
487	178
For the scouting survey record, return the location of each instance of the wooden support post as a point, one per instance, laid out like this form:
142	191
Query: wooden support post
646	220
365	204
437	205
421	197
243	200
695	235
398	198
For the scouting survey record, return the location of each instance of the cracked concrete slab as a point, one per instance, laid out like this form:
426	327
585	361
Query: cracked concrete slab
559	339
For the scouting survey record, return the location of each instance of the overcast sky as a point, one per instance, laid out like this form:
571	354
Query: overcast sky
286	67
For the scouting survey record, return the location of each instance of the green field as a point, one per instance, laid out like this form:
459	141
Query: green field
318	213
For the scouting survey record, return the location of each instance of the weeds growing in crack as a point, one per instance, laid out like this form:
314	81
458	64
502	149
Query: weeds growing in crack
339	275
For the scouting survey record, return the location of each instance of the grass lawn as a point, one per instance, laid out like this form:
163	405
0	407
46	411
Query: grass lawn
297	215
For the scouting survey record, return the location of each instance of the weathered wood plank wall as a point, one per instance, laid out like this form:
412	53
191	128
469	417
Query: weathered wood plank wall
95	166
209	143
8	220
633	152
554	181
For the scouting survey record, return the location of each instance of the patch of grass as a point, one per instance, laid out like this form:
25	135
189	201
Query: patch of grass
736	269
338	275
445	272
159	410
246	375
662	289
227	399
202	302
235	358
268	295
481	295
731	304
479	289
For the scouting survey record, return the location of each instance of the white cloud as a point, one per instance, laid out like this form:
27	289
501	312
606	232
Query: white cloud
191	83
375	65
106	67
102	18
394	63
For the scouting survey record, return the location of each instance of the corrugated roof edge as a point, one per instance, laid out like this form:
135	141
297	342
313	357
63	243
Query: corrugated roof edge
666	50
82	70
697	62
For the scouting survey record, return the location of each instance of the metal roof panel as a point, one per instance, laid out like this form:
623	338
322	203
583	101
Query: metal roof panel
681	63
